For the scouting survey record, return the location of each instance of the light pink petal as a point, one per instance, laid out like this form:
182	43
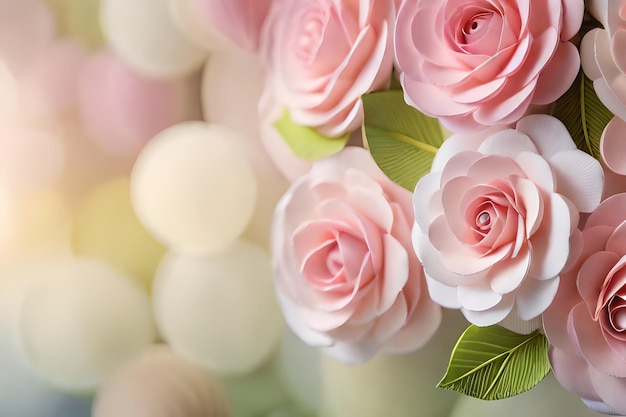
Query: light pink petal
535	296
572	373
396	272
617	241
459	258
480	93
548	133
613	145
492	167
442	294
550	245
556	315
459	165
418	330
533	203
432	100
558	75
588	53
351	158
507	275
478	297
493	315
291	312
499	111
593	346
433	264
609	213
611	390
572	16
390	321
537	170
584	185
454	145
606	94
508	142
424	190
373	205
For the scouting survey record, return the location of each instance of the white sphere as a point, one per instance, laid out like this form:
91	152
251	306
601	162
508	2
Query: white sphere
194	187
190	20
219	310
160	383
143	33
81	321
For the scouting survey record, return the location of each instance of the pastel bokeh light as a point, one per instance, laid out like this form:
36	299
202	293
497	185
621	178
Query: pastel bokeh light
199	300
192	187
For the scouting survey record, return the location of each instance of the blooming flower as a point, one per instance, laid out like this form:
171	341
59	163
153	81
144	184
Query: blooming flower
477	63
586	323
344	273
322	55
496	216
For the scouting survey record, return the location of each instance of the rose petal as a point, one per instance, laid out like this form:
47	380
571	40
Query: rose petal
417	331
537	169
442	294
396	272
291	313
550	245
508	143
535	296
558	75
610	390
493	315
572	373
613	145
548	134
507	275
478	297
609	213
592	344
582	186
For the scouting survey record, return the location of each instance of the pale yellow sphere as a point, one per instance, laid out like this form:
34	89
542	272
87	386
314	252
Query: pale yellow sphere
219	310
107	228
193	187
82	320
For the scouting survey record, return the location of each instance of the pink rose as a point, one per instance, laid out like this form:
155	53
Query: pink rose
344	271
322	55
603	57
496	216
586	324
477	63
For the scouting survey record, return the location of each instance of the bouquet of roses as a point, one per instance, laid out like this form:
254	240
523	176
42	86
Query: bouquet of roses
451	154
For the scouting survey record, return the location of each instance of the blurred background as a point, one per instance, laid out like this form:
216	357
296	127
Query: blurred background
128	129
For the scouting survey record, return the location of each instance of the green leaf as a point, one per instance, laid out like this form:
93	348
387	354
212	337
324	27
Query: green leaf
583	114
493	363
306	142
402	141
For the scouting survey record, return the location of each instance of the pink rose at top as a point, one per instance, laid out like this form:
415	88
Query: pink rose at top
586	323
322	55
603	57
478	63
496	219
345	274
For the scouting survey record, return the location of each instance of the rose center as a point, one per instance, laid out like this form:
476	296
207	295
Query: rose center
617	313
310	36
483	221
